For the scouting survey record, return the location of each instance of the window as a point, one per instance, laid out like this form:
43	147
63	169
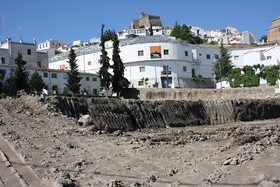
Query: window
39	64
89	63
29	51
208	56
94	91
46	74
236	57
141	53
184	68
54	75
166	52
199	54
94	79
186	53
193	72
65	76
142	69
268	57
140	83
87	78
165	68
3	60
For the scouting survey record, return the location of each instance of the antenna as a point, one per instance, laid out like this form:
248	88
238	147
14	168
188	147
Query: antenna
20	37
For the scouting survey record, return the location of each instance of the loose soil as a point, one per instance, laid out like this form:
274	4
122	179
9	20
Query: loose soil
39	147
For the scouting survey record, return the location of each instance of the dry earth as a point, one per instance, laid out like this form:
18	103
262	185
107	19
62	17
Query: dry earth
39	147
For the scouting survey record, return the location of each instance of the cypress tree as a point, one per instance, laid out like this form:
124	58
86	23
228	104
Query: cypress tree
73	80
104	75
20	77
223	65
119	82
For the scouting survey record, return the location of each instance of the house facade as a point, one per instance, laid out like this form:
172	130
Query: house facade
166	62
38	61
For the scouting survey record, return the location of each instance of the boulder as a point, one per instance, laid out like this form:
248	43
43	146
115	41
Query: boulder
85	120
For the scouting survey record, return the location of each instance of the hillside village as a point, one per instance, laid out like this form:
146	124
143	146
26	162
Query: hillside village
180	64
175	126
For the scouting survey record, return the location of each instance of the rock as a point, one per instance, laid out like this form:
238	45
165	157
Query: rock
8	164
227	161
85	120
116	183
153	178
173	172
136	184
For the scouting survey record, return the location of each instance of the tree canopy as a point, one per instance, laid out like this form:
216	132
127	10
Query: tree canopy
36	82
184	32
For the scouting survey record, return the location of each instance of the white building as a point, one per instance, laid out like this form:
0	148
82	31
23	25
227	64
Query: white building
38	61
267	55
52	47
9	52
229	35
164	60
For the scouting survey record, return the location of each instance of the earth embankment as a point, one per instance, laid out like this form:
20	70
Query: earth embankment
129	115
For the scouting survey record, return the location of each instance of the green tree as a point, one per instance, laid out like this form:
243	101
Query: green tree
119	82
9	85
20	75
184	32
36	83
2	75
73	79
145	81
235	78
104	75
263	39
271	74
223	65
250	78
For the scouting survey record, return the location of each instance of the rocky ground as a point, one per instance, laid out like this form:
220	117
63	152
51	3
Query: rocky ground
40	147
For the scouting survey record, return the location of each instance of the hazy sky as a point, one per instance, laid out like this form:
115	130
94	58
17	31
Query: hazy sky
70	20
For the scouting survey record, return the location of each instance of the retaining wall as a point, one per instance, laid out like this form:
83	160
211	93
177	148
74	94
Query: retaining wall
129	115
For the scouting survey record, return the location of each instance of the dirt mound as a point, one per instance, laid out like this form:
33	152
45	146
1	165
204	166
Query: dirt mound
62	153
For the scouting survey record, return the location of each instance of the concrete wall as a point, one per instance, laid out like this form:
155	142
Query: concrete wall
200	94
